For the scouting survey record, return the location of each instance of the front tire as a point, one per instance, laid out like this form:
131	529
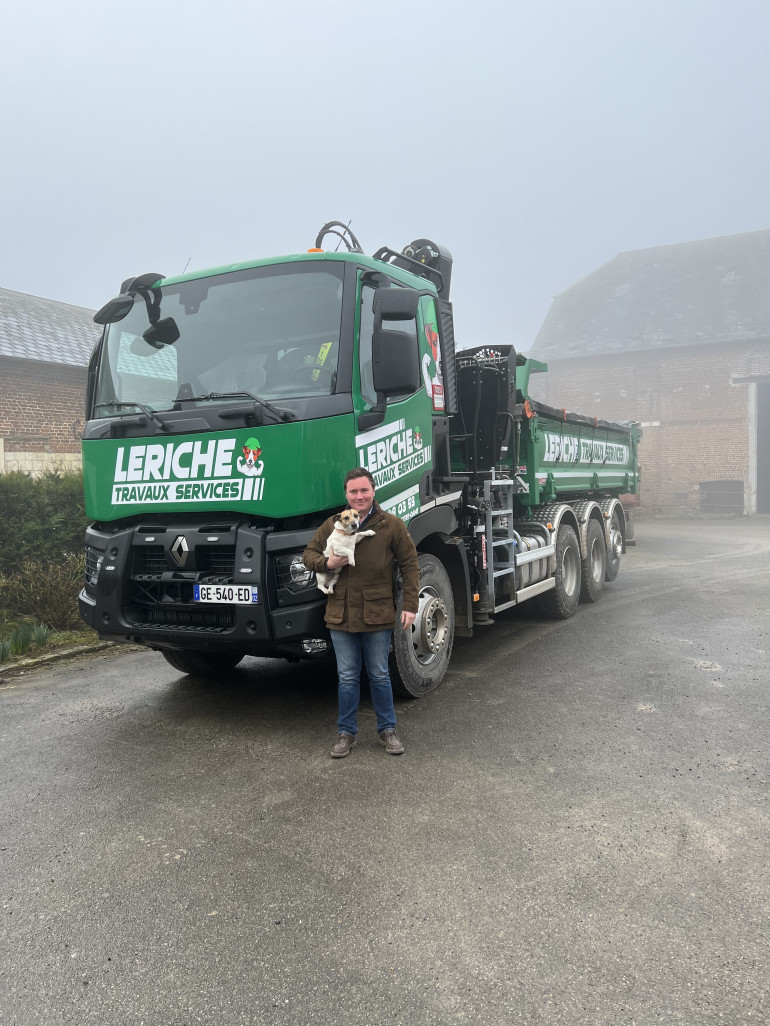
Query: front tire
561	602
421	654
595	565
202	664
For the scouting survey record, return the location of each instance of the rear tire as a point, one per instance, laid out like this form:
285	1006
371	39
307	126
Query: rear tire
561	602
594	566
202	664
421	654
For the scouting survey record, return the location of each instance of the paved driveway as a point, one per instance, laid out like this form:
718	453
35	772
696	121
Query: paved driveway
577	833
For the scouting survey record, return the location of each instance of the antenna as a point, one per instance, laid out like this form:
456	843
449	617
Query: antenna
347	229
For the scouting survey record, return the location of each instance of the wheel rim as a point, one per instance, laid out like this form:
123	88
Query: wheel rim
616	543
597	564
570	571
431	626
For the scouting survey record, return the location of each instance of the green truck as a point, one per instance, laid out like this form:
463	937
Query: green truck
224	408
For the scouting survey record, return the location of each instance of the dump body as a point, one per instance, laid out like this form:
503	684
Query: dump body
556	454
563	454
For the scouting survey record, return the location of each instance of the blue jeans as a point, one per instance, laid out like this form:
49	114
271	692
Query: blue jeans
349	648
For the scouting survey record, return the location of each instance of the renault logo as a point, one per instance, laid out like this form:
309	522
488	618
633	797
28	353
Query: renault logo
179	550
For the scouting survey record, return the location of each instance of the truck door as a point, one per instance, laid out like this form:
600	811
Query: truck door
396	449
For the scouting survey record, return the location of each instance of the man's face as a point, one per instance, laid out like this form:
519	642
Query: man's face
360	494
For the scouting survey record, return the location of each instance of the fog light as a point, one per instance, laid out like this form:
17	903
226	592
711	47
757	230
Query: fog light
312	645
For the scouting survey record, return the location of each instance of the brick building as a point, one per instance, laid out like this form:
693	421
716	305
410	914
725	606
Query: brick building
677	337
44	351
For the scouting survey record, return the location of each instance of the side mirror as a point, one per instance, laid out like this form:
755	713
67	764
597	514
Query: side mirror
395	366
395	356
115	310
395	305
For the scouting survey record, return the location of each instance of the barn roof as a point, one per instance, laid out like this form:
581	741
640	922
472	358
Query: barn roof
709	291
32	328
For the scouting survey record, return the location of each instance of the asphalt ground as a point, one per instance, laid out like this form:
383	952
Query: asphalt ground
576	834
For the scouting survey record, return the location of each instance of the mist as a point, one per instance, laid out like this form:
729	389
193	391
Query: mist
534	141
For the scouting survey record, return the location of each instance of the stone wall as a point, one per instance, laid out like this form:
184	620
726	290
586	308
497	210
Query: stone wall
36	463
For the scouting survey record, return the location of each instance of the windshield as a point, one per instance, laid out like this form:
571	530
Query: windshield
273	332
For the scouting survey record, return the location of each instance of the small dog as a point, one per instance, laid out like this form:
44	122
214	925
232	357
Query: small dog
342	542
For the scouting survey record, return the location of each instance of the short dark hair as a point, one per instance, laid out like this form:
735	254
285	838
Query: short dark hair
357	472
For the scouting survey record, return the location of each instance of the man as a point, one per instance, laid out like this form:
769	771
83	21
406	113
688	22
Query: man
361	612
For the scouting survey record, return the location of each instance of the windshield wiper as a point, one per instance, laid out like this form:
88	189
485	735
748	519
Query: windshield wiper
280	414
150	414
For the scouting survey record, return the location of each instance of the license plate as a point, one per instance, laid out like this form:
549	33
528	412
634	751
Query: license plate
226	594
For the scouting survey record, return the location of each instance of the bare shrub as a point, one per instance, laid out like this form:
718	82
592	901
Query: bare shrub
46	591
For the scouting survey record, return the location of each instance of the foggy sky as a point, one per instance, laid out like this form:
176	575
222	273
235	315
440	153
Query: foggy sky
534	139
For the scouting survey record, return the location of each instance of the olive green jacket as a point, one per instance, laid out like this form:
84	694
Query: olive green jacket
363	597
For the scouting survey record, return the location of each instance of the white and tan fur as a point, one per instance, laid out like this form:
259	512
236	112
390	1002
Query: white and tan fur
342	542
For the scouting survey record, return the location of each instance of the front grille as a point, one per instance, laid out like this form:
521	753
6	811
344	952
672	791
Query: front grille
219	560
216	560
150	559
214	619
161	593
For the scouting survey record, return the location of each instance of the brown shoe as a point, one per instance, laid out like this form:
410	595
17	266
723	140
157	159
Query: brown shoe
342	748
392	745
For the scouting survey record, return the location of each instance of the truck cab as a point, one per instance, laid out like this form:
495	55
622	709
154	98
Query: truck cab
223	410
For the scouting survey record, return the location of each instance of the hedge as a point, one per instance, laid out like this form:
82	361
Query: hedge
42	519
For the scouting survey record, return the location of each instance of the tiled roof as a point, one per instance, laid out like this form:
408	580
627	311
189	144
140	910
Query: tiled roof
32	328
713	290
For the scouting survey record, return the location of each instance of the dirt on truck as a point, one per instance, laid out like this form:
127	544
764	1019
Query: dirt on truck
224	407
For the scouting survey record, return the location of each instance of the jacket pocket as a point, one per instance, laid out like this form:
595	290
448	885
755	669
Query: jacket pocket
335	604
378	605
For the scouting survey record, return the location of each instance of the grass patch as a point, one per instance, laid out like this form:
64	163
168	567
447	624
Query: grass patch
41	634
21	638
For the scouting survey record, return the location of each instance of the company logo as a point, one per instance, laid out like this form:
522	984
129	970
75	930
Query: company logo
250	463
570	449
392	451
179	550
198	471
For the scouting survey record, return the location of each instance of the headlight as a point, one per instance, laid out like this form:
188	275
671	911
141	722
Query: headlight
292	577
300	575
94	560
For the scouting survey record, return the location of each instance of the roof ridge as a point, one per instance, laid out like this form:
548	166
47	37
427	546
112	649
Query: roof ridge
691	242
45	299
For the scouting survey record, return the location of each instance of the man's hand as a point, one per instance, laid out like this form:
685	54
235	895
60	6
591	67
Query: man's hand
334	562
407	619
